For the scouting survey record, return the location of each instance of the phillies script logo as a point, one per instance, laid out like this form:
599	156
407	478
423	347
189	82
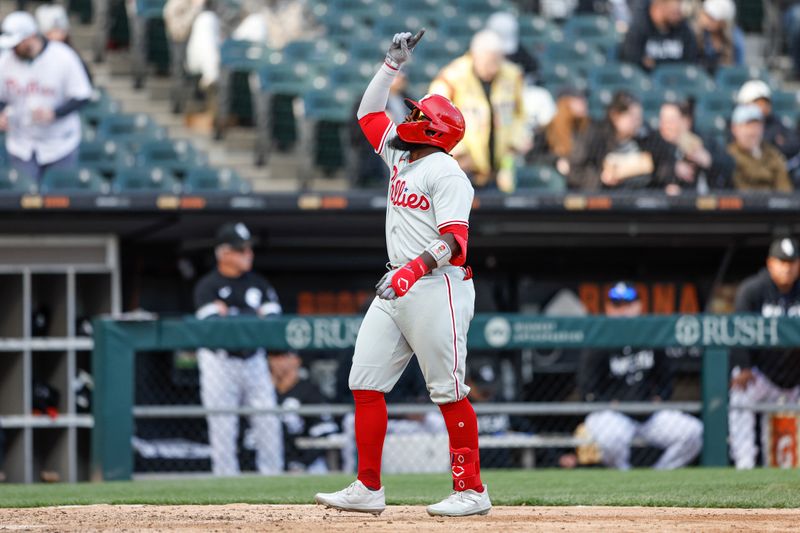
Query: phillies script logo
398	195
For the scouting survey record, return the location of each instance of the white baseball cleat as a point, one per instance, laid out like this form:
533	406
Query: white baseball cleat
356	497
462	503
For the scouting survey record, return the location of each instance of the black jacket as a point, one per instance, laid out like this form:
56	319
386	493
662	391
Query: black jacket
628	374
778	135
591	148
678	45
759	294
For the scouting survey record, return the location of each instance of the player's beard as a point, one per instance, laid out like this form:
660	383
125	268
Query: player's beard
396	143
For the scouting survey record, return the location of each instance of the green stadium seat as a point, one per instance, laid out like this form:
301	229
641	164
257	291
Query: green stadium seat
70	181
353	76
785	103
104	157
238	59
340	28
461	28
361	50
576	55
150	8
537	43
176	156
555	76
143	179
149	42
711	123
206	179
14	182
481	8
243	55
582	26
540	178
129	130
718	102
328	114
441	50
731	78
422	73
617	76
687	80
368	10
313	52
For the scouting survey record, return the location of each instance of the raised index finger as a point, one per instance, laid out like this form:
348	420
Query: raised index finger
415	39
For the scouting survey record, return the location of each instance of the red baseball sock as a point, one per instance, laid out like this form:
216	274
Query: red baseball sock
371	421
462	427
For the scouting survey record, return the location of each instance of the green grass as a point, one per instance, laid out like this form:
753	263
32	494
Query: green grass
681	488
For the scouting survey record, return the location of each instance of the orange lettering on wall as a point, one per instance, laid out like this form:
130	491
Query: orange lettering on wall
590	296
663	298
689	302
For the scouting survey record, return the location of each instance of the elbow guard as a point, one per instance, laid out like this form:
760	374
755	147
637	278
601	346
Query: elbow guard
440	251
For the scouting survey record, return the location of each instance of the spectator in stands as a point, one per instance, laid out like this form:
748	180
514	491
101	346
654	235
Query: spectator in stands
720	41
488	90
294	389
570	121
506	26
633	375
764	375
618	153
54	25
231	377
701	165
659	35
775	133
179	17
42	85
276	22
791	27
759	165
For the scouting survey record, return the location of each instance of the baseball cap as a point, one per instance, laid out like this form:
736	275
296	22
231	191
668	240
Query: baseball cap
16	27
746	113
52	18
483	376
753	90
234	234
785	249
720	9
623	292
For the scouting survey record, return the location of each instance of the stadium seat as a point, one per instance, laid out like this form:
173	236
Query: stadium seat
441	51
328	115
104	157
617	76
461	28
361	50
368	10
238	59
535	33
340	28
73	181
687	80
176	156
542	178
243	55
585	26
12	181
422	74
730	78
556	76
785	103
718	102
150	8
142	179
129	130
149	43
481	8
711	124
353	76
205	179
578	56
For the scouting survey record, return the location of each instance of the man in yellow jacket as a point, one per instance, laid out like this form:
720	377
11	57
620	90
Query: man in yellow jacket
488	90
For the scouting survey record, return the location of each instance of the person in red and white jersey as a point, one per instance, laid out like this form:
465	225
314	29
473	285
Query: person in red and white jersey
426	300
42	85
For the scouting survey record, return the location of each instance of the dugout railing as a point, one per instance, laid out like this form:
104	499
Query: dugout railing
116	343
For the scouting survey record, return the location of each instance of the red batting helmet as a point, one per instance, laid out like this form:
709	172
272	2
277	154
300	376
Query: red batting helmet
439	123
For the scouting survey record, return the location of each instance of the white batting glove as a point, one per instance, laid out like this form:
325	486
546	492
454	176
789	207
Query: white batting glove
384	288
402	46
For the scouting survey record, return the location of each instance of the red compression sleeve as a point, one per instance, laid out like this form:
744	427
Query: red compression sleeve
461	234
371	421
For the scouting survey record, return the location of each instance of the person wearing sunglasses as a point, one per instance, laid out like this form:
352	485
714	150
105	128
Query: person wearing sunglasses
425	301
230	378
632	374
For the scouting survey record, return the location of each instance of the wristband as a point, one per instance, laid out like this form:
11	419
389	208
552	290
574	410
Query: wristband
440	251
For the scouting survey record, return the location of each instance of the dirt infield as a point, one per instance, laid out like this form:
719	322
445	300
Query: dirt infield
313	519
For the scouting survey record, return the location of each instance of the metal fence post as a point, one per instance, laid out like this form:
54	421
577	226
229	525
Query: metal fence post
715	407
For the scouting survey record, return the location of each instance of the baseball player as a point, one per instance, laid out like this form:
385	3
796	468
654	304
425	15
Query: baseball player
42	85
426	300
764	375
230	378
635	375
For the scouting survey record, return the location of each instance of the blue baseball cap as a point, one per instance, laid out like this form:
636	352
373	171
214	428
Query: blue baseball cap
623	292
